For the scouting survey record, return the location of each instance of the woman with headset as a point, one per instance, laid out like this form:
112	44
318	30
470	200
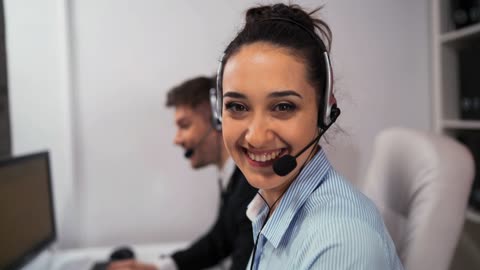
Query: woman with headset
275	101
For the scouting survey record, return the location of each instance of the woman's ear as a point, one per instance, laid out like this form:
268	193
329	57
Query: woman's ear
333	100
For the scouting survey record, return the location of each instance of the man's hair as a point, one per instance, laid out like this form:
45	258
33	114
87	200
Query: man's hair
191	93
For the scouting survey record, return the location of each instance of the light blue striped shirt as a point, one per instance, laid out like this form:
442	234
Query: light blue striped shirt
322	222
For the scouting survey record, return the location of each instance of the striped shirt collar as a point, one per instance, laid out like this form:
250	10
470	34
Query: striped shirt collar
307	181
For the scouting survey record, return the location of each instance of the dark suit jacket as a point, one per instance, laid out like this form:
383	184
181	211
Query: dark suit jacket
230	235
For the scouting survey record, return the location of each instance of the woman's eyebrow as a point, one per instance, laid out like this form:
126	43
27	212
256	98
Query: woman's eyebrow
276	94
234	95
279	94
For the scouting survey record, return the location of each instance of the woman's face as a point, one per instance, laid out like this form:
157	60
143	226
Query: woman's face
269	110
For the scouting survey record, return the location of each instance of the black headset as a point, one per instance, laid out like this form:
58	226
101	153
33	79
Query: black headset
328	111
216	119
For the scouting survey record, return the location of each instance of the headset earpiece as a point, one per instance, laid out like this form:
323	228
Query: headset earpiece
335	113
216	122
219	98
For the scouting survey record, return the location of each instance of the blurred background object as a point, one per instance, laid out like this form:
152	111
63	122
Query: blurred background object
421	181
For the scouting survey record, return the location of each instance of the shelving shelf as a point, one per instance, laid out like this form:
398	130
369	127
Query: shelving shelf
461	35
473	216
461	124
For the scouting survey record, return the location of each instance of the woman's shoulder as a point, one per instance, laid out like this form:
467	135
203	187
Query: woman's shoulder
347	234
337	199
339	220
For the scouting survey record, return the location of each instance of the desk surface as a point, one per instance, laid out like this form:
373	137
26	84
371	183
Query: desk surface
84	259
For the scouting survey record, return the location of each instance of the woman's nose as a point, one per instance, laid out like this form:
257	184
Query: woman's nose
258	132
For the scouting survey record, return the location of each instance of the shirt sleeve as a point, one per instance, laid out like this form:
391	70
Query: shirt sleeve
165	263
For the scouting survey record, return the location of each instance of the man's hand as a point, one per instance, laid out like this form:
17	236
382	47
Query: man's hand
130	265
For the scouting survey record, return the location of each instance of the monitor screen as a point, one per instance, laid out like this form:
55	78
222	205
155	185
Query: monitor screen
27	223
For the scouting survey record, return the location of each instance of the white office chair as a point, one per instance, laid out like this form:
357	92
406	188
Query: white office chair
420	182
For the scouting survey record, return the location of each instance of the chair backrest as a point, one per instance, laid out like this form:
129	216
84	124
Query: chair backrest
420	181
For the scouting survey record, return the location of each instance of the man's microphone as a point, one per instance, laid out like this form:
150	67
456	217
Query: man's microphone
190	151
288	163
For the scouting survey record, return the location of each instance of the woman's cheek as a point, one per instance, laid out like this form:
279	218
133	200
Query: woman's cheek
229	138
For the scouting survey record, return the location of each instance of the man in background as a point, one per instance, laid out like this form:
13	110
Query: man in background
201	138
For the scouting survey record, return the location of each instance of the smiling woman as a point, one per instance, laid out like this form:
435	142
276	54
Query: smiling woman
263	116
275	102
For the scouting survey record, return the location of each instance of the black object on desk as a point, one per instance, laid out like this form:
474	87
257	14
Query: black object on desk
122	253
118	254
100	266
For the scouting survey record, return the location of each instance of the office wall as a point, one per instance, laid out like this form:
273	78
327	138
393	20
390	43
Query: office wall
101	104
39	97
381	55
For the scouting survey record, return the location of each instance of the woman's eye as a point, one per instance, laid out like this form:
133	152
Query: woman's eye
235	107
284	107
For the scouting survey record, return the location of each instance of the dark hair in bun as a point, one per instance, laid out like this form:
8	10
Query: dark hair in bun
289	27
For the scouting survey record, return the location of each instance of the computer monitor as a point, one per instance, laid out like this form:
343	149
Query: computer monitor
27	221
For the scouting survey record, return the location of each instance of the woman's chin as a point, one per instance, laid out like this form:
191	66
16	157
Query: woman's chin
263	182
259	174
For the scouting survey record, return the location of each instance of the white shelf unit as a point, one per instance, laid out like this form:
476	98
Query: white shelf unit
446	44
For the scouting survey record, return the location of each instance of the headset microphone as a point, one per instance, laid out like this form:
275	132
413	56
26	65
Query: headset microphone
190	151
288	163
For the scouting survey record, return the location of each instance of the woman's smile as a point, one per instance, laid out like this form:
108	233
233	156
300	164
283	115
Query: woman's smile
263	159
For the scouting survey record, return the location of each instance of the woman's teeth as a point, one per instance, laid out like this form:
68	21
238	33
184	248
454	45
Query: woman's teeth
264	157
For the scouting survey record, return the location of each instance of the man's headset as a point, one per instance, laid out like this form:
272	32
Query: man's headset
328	111
216	124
